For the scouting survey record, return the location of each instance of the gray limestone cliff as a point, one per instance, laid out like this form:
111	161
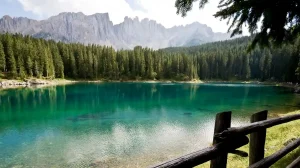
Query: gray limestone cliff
99	29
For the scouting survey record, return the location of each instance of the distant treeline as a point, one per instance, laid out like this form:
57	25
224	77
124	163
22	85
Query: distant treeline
23	57
228	60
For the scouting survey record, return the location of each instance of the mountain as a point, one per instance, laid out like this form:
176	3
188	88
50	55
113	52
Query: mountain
99	29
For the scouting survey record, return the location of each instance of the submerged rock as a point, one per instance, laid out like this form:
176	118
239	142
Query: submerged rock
89	116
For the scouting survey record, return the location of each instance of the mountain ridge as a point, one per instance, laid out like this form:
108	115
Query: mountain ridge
99	29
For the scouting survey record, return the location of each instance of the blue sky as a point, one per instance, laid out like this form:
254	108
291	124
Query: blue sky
15	9
162	11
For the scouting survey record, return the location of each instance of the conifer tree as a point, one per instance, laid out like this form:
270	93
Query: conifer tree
10	58
29	53
2	59
29	57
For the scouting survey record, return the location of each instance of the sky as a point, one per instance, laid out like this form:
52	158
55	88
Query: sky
163	11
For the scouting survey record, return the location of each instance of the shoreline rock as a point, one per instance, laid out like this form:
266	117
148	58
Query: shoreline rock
43	82
14	83
31	83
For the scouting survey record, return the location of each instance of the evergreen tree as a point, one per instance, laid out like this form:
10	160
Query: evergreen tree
58	63
279	18
2	59
10	58
246	68
29	53
22	57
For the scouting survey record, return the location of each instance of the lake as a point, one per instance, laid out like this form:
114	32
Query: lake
122	124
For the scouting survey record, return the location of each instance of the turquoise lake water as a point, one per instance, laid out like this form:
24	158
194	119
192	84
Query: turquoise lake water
122	124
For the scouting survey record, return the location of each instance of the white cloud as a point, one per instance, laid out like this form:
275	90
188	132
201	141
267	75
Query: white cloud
47	8
163	11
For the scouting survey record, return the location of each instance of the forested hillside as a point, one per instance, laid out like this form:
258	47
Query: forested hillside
229	60
23	57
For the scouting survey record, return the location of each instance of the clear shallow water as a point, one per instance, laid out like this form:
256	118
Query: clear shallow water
122	124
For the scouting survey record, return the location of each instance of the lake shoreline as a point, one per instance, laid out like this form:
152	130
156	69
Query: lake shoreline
14	83
141	81
295	87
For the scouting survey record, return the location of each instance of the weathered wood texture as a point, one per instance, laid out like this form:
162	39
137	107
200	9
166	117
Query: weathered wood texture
268	161
204	155
295	163
227	139
257	126
222	122
257	139
239	153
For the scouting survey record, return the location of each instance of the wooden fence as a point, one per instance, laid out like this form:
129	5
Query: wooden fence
227	139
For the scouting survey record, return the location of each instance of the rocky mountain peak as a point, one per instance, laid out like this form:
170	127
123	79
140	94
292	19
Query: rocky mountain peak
6	17
99	29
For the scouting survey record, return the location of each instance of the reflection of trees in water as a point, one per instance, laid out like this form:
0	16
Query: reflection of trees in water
93	101
193	91
25	103
129	100
84	113
22	107
153	89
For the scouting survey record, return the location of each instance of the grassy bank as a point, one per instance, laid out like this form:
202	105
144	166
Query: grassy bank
276	137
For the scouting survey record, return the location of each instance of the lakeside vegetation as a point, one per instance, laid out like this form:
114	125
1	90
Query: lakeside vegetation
26	57
23	57
276	138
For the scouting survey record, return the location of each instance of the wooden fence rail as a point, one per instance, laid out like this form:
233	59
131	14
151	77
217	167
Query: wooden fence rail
295	163
257	126
227	139
269	161
204	155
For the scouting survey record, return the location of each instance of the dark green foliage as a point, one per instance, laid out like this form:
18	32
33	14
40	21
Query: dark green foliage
29	52
9	55
2	59
23	57
229	60
280	18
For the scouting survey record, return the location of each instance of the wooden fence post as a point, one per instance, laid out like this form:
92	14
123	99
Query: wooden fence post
257	139
295	163
223	121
